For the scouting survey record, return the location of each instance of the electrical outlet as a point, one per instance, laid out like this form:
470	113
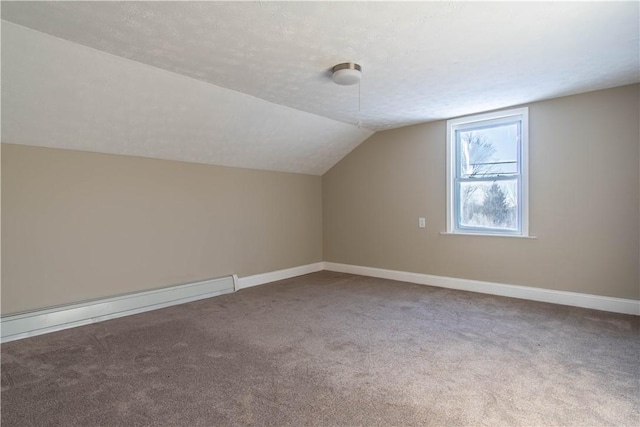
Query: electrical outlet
422	222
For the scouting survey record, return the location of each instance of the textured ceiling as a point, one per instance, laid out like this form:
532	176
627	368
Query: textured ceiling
421	61
63	95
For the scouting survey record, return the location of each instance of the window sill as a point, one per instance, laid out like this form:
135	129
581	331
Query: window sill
517	236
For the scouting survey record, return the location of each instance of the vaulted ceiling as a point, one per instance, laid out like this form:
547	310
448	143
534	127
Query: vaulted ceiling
247	84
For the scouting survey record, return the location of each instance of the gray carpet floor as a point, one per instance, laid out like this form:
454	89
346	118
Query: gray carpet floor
333	349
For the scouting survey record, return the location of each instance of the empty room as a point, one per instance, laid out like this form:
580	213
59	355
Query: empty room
320	213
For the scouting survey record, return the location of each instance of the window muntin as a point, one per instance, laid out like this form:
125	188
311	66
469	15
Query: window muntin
487	173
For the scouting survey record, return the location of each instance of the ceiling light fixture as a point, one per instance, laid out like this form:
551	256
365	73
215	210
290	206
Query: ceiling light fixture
347	73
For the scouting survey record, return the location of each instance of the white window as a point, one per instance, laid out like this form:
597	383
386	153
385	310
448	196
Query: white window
487	168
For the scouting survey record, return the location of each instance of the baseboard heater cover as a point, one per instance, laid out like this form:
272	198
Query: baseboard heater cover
38	322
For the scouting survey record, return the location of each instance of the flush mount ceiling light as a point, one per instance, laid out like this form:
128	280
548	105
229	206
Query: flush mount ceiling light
347	73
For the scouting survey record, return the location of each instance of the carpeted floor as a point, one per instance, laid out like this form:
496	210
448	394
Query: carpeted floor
333	349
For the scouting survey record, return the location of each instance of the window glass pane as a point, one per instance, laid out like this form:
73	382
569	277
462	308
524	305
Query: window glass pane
488	205
486	151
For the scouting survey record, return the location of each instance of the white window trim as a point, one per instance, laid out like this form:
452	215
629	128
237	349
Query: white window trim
451	164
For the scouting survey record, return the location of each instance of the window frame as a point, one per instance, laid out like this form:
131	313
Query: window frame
475	120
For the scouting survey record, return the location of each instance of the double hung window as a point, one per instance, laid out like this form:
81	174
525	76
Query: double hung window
487	173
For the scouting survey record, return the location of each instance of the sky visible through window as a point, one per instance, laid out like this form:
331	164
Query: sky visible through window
497	154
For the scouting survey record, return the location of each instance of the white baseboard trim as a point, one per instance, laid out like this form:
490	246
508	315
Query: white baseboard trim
597	302
23	325
38	322
272	276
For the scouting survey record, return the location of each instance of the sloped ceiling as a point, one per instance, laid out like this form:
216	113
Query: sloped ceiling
64	95
247	83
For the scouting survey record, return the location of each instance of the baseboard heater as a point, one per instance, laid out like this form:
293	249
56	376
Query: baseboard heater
38	322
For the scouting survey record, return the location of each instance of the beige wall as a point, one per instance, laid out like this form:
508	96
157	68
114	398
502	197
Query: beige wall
584	202
79	225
